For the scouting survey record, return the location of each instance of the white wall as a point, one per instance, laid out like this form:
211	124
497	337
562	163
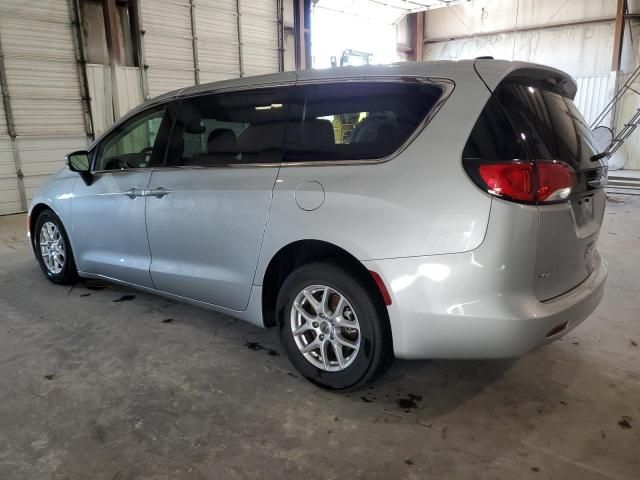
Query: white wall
581	50
495	15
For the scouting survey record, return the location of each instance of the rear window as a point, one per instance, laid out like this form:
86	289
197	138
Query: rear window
537	122
355	120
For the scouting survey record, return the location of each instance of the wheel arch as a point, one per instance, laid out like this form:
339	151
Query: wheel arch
35	213
302	252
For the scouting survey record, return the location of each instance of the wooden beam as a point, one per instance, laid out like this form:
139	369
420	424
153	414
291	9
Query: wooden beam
618	35
112	30
416	22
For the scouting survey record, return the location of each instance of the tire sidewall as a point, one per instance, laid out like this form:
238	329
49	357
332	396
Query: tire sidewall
68	271
367	312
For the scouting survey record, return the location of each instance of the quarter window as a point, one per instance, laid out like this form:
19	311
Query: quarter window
355	120
137	143
229	128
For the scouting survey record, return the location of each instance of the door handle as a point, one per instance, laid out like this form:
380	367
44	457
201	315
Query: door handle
134	192
158	192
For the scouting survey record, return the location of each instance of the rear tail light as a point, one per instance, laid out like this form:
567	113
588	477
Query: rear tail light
531	182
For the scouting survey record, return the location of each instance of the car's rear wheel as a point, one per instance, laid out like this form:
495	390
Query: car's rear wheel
53	249
333	328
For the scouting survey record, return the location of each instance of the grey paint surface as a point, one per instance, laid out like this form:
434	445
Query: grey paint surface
133	397
211	239
205	236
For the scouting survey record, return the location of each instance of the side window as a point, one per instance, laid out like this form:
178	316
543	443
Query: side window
355	120
138	143
229	128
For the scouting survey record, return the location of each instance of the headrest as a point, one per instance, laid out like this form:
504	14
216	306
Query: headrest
222	140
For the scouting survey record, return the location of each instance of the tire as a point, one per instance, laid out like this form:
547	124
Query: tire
358	366
62	274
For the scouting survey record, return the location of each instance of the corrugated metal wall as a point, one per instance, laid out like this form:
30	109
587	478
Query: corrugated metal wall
44	89
167	44
259	28
625	110
44	84
225	48
593	95
9	197
217	32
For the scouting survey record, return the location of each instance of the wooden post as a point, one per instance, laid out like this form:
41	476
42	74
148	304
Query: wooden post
417	36
618	35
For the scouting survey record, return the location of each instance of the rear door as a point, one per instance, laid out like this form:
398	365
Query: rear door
551	128
207	209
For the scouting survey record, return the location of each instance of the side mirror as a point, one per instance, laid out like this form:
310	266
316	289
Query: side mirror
79	162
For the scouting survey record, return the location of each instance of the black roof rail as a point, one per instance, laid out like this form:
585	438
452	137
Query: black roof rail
485	57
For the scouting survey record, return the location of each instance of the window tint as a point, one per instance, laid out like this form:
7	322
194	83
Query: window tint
355	120
527	118
493	136
229	128
138	143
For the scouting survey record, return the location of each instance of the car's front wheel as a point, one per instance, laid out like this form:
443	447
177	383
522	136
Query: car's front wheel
333	328
53	249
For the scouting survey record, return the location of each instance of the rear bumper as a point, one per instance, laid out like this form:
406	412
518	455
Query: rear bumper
453	306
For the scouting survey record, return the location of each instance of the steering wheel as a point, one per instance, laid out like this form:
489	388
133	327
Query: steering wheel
117	164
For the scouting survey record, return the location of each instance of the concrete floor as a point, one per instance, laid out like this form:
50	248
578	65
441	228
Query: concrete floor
92	387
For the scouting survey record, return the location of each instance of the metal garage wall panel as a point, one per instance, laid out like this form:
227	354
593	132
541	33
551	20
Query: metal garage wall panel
217	32
36	38
625	110
99	82
54	10
259	21
7	167
167	44
48	117
9	194
9	198
101	93
36	78
593	95
129	88
45	94
44	156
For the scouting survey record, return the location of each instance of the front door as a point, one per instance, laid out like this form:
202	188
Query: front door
108	216
207	210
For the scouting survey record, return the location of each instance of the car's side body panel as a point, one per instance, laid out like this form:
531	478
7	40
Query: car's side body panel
205	235
108	226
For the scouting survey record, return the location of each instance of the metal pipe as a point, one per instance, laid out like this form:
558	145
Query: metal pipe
240	60
194	42
143	66
11	130
280	15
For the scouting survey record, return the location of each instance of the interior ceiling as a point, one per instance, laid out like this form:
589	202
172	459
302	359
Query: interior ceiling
385	11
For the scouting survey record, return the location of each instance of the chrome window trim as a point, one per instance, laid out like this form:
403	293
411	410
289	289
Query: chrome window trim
447	85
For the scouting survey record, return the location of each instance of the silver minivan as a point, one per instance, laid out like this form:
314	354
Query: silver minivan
419	210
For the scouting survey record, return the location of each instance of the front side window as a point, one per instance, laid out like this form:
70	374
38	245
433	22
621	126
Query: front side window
355	120
229	128
138	143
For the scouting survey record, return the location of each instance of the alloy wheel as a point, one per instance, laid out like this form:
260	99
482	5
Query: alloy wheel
325	328
52	247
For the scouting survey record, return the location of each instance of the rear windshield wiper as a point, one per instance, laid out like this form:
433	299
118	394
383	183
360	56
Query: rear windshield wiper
599	156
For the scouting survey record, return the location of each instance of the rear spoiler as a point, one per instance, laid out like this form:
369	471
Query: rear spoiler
492	72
